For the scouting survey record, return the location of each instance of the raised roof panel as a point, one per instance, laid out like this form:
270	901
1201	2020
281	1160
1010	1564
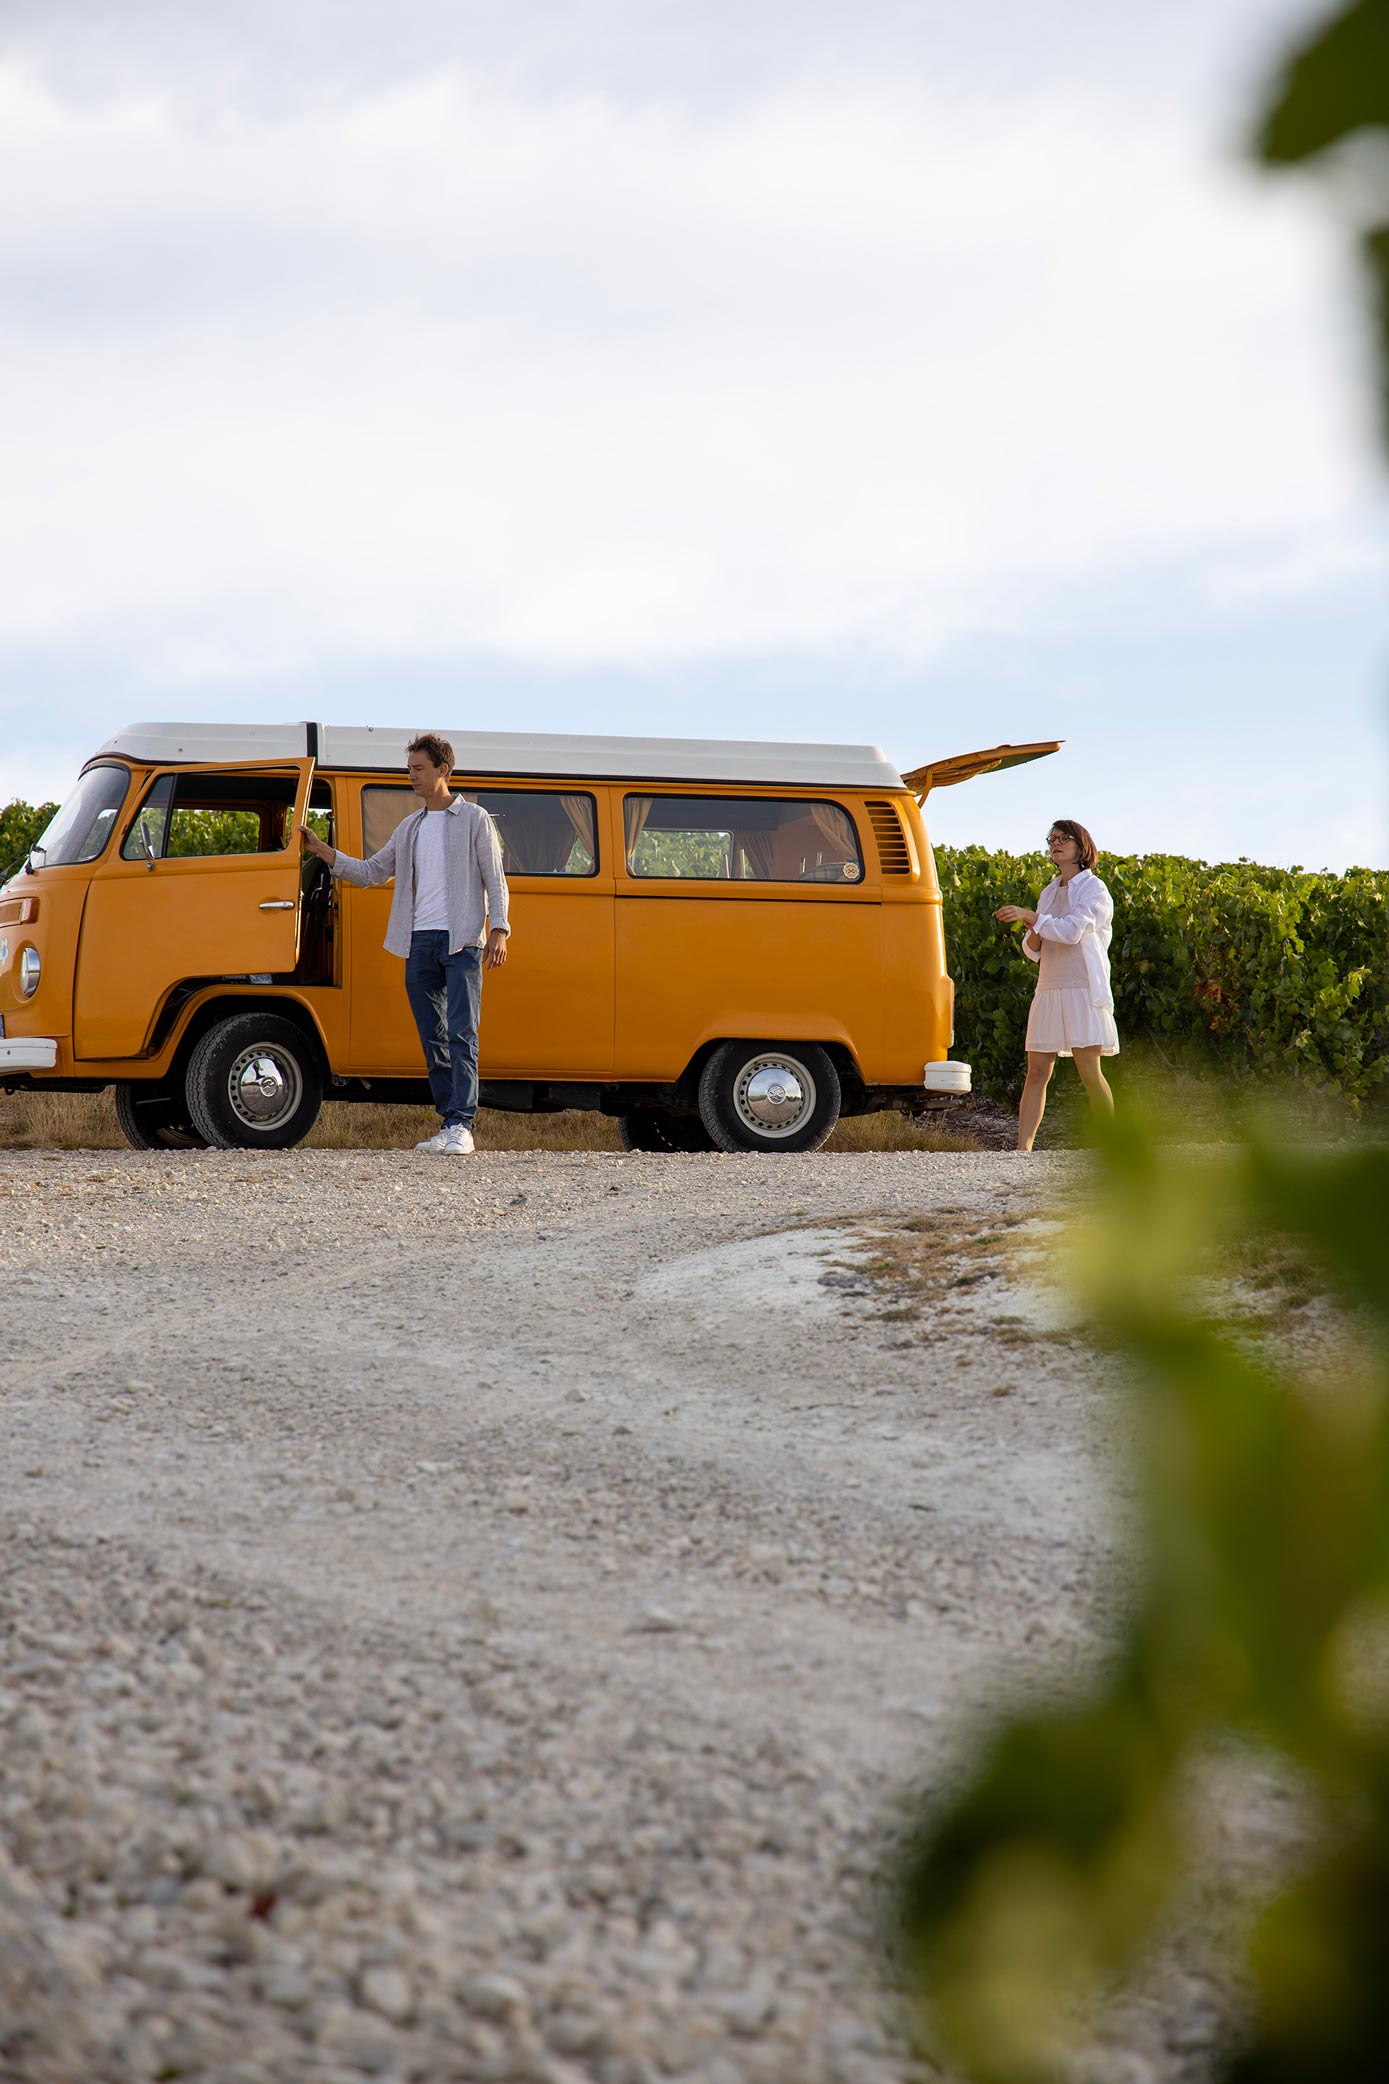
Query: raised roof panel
374	749
199	743
623	759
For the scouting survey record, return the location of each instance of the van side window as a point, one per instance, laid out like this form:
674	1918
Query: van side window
740	839
146	834
187	814
543	833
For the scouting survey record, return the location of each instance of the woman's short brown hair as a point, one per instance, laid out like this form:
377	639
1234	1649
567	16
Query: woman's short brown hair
433	747
1089	852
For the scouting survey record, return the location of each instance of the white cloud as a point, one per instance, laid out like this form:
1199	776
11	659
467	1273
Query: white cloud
448	369
1298	566
274	56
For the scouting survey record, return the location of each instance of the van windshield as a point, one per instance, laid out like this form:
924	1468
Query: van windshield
84	824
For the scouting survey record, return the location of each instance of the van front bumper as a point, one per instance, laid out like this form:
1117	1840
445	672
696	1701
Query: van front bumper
947	1077
28	1053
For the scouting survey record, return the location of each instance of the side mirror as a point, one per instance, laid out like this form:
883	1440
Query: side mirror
146	842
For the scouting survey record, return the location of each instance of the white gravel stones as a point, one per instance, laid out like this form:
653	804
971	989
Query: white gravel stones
492	1996
387	1990
487	1651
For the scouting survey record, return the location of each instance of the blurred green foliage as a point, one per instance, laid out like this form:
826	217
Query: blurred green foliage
1331	104
1263	1612
705	856
215	832
232	832
1262	1615
1249	971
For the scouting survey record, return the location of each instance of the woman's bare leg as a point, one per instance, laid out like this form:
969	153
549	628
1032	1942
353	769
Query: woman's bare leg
1094	1080
1034	1097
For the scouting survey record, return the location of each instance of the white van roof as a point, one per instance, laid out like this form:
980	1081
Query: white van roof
374	750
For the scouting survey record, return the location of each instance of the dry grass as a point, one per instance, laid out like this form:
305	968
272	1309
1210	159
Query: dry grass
907	1272
87	1121
344	1127
917	1261
58	1122
893	1132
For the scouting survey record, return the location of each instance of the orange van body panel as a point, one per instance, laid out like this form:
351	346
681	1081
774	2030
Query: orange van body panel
609	978
919	1026
776	970
547	1013
55	900
143	934
322	1004
919	997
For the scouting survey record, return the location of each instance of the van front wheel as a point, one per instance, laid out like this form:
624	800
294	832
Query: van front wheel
769	1096
154	1117
254	1084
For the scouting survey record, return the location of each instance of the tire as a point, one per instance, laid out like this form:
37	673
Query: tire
657	1129
154	1117
254	1083
769	1096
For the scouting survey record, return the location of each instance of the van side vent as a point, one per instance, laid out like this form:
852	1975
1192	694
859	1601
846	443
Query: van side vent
892	841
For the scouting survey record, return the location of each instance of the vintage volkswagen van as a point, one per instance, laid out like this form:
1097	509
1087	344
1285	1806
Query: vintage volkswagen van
726	945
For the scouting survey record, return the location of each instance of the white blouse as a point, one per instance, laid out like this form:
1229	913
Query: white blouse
1088	924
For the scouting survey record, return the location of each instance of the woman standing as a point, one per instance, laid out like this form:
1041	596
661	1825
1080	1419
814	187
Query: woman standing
1068	938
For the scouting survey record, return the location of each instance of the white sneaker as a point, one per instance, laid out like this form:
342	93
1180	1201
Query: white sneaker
457	1142
435	1142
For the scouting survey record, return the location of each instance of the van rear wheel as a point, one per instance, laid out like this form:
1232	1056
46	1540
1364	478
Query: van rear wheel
155	1117
657	1129
769	1096
254	1083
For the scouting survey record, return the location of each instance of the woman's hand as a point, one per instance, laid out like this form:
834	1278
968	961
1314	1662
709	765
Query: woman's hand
1015	915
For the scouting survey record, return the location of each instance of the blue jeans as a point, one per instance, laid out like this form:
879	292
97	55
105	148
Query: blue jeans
445	994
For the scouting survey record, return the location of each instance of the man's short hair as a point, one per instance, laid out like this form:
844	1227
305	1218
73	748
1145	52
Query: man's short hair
433	747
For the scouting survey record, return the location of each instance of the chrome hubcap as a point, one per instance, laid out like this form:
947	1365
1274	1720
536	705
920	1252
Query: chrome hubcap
264	1087
774	1095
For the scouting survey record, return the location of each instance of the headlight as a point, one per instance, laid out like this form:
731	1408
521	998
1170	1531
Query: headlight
29	969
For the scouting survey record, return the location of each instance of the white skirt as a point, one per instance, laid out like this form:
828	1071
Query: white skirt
1064	1019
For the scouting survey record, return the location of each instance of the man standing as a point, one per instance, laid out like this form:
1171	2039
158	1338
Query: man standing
448	919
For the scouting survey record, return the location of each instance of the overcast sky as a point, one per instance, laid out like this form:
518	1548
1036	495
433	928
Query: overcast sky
914	373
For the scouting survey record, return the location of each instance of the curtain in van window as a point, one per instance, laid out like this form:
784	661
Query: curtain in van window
635	812
579	811
832	825
538	827
538	831
758	851
382	810
533	843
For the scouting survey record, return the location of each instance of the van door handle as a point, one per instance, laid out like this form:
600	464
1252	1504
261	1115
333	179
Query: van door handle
278	904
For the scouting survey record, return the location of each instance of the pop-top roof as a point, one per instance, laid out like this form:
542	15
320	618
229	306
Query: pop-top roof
520	753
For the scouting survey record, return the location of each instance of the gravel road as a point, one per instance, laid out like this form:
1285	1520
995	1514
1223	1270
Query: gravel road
472	1619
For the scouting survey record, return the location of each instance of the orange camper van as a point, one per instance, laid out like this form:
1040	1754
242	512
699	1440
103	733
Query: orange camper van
726	945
